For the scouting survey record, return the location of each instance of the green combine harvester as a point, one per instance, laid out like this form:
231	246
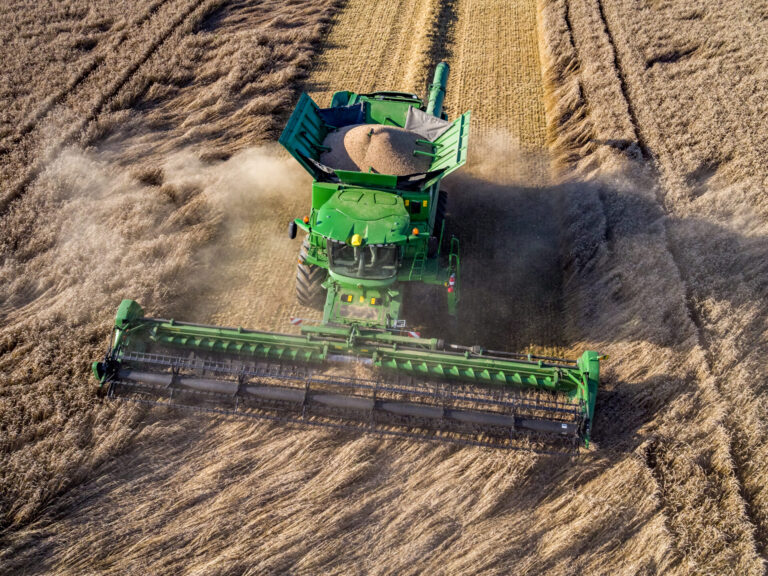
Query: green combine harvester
367	234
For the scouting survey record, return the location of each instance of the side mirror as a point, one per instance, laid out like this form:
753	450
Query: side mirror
292	229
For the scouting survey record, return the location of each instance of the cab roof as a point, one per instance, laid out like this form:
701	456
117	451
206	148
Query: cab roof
378	216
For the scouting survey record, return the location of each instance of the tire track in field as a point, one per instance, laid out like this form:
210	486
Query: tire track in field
28	137
94	90
651	452
743	454
59	97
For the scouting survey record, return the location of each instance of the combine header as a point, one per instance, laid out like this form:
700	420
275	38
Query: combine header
366	235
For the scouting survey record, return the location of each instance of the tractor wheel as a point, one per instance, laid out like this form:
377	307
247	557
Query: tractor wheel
309	281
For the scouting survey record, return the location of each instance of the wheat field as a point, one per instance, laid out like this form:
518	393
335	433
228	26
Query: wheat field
615	189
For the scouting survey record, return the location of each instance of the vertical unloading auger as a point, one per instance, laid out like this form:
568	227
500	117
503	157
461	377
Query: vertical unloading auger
367	234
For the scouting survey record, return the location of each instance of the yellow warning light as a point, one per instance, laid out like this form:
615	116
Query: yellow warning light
356	240
407	202
373	301
424	203
349	298
362	299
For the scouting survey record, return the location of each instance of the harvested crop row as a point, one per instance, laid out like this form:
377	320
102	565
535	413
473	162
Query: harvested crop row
92	88
504	207
376	46
496	70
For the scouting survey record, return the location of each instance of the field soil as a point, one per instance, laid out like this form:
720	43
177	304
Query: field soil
611	202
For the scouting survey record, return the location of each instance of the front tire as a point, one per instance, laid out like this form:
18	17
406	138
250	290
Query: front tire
309	281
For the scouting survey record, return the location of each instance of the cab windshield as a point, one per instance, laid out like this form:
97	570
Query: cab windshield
375	262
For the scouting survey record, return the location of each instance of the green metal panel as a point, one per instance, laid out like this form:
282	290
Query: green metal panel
353	303
589	365
322	192
367	179
127	312
451	148
341	98
304	134
578	380
388	108
379	217
386	112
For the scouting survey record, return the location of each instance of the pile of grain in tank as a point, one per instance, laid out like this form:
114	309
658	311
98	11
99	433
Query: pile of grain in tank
384	149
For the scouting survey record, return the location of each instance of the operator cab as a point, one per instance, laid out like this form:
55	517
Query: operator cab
371	262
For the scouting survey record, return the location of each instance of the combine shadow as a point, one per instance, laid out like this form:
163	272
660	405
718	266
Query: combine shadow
543	267
511	273
680	262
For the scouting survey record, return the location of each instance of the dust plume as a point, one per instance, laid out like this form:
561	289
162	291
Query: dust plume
505	211
250	265
255	182
86	235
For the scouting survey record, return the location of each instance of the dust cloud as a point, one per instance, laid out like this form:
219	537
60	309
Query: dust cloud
87	234
254	183
505	211
244	276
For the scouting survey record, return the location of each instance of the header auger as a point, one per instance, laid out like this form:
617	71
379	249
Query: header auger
366	235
